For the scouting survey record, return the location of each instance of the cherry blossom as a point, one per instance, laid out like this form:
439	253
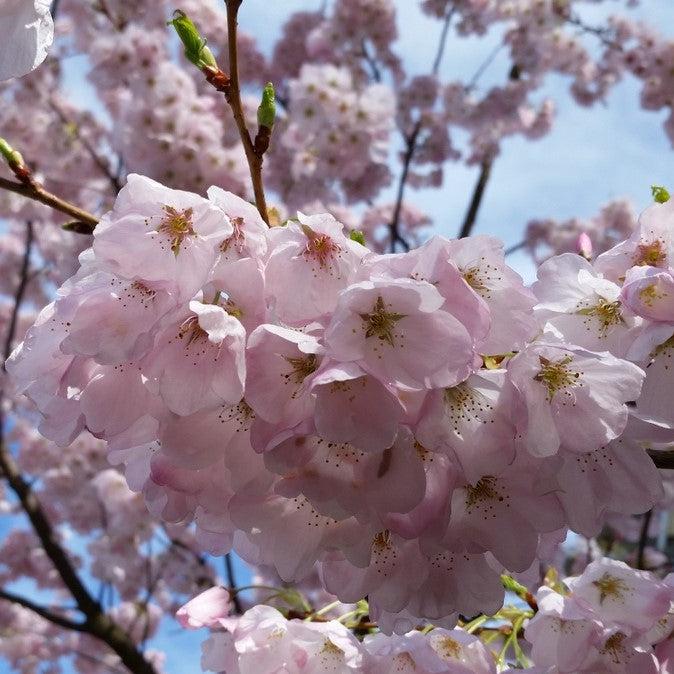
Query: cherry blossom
28	32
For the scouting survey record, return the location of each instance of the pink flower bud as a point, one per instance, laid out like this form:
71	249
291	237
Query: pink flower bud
206	609
584	246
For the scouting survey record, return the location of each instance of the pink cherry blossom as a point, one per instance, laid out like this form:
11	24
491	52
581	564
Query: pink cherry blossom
396	331
572	398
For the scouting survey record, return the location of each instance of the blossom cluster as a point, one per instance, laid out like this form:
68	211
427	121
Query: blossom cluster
611	619
393	418
264	641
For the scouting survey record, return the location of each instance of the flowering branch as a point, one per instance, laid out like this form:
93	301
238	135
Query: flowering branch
411	144
201	56
35	191
233	96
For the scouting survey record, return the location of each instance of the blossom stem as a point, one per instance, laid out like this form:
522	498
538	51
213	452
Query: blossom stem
233	95
35	191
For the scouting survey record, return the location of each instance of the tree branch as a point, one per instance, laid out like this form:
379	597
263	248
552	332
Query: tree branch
443	41
36	192
231	582
476	199
394	225
662	458
43	612
643	538
20	292
232	93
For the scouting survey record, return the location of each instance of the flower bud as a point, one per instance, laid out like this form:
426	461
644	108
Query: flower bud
584	246
266	112
11	156
196	50
660	194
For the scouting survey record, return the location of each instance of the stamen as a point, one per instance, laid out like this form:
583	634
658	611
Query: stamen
177	225
381	323
556	376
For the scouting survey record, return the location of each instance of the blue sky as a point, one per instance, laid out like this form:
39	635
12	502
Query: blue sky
592	155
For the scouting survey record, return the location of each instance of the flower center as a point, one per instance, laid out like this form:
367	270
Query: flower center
446	647
614	647
485	490
556	376
464	404
191	331
302	367
481	278
332	649
606	313
650	295
650	254
319	247
237	238
610	586
380	323
177	225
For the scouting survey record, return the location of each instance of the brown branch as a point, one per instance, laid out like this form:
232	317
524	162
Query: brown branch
43	612
231	581
36	192
443	41
232	91
411	147
394	225
476	199
643	538
662	458
96	623
24	278
515	247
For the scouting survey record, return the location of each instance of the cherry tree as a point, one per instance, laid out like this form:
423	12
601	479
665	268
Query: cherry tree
229	332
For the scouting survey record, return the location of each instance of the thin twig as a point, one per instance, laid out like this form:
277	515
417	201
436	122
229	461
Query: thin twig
443	41
36	192
662	458
43	612
643	538
411	148
24	278
515	247
472	82
372	62
102	163
231	582
233	95
394	225
476	199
